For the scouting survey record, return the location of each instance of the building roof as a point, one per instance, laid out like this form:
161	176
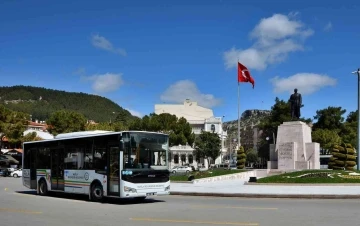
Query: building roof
41	134
38	125
190	110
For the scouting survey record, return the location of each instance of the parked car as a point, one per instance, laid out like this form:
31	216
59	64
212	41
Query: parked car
233	166
181	169
16	173
222	166
4	172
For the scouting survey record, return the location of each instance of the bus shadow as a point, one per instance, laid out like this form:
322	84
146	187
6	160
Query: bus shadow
85	198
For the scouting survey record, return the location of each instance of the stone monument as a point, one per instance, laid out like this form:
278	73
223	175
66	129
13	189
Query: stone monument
294	149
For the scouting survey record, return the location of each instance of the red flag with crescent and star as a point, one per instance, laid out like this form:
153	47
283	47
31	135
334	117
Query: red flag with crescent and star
244	74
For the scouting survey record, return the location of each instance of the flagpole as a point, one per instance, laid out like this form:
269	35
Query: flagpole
238	110
238	115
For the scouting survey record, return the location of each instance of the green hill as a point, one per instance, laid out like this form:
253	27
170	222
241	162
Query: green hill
42	102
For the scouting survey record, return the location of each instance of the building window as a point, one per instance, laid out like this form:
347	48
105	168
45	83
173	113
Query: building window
176	159
191	159
183	159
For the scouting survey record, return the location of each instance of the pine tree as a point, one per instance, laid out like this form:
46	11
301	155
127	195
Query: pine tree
241	158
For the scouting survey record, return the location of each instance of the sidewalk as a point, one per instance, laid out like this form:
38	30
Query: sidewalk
237	188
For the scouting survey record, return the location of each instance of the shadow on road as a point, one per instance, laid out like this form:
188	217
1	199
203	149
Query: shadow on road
85	198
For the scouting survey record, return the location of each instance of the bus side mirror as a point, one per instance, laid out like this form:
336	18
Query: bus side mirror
122	145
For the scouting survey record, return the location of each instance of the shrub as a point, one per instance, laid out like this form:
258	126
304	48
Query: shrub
241	158
343	157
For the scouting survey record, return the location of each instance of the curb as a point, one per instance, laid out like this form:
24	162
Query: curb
182	182
302	184
248	195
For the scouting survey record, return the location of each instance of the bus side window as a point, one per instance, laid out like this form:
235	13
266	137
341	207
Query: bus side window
88	159
100	159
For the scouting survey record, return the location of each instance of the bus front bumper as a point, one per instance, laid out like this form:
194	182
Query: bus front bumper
131	192
147	194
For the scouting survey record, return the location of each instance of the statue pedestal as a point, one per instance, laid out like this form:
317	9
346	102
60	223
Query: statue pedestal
294	148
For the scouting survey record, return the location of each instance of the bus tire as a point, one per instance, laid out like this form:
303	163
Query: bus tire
43	190
96	192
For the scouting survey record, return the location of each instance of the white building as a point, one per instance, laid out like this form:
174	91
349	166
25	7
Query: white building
199	118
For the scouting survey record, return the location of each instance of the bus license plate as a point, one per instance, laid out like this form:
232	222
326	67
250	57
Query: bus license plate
150	194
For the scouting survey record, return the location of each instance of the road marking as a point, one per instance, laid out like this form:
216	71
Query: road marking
234	207
48	197
18	211
194	222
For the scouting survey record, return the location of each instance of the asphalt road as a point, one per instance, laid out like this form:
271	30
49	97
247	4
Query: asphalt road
19	206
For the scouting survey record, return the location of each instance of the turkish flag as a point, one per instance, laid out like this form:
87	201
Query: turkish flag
244	74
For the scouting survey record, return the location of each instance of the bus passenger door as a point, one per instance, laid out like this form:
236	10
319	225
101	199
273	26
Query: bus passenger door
114	170
57	169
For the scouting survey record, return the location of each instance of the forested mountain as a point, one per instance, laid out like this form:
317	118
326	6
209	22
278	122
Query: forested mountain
42	102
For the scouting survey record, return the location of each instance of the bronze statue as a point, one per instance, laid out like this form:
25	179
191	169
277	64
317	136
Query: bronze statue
296	104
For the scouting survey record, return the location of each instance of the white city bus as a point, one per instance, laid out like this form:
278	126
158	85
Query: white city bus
128	164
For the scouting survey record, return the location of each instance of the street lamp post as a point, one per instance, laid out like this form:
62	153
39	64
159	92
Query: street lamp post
222	140
358	120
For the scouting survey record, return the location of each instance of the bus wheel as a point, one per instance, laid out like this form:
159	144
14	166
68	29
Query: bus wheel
43	188
96	192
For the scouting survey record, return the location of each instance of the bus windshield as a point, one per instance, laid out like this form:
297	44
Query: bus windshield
145	150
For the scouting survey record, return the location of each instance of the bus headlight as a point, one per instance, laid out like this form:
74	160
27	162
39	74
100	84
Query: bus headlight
167	188
128	189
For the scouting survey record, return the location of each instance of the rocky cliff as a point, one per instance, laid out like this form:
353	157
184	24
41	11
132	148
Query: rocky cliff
248	118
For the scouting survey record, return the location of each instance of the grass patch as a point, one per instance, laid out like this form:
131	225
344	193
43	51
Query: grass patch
314	176
204	174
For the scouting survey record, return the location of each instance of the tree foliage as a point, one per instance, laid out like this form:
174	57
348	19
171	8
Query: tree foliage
116	126
66	121
179	130
330	118
326	138
343	157
241	158
251	156
349	132
12	125
30	137
207	146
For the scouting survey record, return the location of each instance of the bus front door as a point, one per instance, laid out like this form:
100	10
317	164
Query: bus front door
114	170
57	169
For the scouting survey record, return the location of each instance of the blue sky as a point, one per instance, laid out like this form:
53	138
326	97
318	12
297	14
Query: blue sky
140	53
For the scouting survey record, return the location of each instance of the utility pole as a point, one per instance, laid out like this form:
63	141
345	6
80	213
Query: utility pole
358	120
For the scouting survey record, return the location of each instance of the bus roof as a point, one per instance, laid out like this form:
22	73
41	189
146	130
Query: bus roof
91	133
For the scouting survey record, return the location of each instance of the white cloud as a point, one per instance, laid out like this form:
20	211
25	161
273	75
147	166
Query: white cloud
328	27
186	89
102	43
274	38
135	113
106	82
306	83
